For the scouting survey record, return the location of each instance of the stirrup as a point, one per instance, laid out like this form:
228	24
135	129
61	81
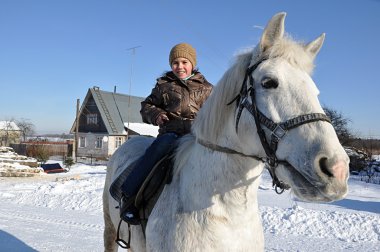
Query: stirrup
128	212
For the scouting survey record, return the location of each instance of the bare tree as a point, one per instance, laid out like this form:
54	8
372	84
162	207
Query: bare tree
340	124
39	152
26	127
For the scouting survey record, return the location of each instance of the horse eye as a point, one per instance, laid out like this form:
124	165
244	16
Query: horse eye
269	83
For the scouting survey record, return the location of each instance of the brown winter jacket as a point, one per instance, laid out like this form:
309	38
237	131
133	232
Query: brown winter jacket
179	100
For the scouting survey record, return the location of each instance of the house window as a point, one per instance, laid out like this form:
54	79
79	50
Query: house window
82	142
118	142
92	118
99	142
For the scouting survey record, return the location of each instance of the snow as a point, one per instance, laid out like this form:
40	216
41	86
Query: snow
8	154
143	128
63	212
8	125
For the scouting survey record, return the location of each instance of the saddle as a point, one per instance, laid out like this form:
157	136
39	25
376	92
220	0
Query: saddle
151	188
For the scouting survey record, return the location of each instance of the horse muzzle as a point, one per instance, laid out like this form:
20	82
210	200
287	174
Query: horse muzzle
323	181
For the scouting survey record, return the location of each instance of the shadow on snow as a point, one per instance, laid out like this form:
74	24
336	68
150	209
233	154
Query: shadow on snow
10	243
358	205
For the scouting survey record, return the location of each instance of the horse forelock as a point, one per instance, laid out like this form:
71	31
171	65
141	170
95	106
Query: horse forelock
293	52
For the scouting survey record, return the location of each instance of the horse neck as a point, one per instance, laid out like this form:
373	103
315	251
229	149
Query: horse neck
216	122
211	175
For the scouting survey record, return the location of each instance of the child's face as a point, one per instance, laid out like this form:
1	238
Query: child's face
182	67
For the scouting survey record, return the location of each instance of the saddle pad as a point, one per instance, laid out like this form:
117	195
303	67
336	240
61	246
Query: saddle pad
115	188
153	183
150	190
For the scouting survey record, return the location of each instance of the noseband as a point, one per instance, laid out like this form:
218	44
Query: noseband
277	130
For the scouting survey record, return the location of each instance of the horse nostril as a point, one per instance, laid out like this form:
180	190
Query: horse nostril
324	167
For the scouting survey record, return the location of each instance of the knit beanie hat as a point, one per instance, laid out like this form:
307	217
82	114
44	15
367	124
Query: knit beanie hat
183	50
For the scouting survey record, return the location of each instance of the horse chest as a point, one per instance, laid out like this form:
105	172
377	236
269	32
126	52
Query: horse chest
204	230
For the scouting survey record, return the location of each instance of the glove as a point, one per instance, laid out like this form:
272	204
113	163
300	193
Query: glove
161	119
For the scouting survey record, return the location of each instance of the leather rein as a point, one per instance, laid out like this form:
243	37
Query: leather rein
277	130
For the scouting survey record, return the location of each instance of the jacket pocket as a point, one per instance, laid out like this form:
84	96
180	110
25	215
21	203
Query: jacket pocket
172	97
196	95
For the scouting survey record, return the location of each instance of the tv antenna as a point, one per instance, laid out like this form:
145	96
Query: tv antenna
133	52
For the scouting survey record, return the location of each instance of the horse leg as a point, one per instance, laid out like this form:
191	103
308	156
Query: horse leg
109	234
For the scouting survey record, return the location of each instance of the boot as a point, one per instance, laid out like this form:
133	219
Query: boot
128	212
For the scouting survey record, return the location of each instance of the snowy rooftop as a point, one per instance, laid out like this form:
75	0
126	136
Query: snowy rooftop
8	125
143	128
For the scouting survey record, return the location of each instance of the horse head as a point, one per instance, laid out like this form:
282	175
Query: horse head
272	112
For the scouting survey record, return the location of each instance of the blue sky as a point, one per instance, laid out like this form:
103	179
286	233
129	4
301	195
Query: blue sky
51	52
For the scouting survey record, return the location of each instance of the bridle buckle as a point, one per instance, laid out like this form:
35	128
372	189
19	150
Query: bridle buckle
279	132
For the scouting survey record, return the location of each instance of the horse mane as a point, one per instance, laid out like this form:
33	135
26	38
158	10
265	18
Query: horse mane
213	116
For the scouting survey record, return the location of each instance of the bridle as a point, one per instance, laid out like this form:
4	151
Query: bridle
277	130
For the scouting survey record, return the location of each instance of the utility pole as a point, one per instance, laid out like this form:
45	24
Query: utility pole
133	50
75	145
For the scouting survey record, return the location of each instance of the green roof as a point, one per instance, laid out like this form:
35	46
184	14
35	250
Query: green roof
115	109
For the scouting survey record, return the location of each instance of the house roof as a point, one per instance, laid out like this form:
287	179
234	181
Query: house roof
9	125
115	109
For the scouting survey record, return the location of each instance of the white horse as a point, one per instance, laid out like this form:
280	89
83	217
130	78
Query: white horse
211	203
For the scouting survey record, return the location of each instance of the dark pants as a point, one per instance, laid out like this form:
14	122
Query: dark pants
157	150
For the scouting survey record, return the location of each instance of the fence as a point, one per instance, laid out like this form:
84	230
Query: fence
91	160
57	151
62	149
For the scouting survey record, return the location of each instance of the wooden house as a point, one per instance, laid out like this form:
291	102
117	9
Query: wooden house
103	122
10	133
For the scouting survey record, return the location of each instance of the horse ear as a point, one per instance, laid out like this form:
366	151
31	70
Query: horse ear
273	31
314	46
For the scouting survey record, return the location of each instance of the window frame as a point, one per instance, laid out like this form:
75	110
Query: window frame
82	142
99	143
92	119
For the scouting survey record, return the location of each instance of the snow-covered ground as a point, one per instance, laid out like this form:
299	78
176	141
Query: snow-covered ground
63	212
